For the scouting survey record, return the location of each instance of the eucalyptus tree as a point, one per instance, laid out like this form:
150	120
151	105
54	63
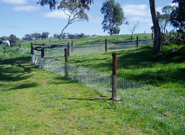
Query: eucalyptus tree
164	18
157	45
53	3
74	11
178	15
113	17
44	35
36	35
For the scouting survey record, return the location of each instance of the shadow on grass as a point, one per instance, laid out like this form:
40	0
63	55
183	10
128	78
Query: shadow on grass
62	80
28	85
16	69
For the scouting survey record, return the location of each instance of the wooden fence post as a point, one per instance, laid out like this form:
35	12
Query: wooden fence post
42	56
66	62
105	45
131	38
137	42
19	45
71	46
114	76
68	46
32	52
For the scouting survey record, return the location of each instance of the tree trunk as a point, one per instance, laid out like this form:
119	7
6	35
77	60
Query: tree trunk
63	31
157	39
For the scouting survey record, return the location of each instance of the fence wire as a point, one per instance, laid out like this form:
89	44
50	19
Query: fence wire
165	107
57	52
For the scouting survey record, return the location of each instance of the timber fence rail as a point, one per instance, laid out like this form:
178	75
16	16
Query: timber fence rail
51	50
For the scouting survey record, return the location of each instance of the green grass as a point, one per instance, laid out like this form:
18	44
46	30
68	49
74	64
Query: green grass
34	101
139	64
90	41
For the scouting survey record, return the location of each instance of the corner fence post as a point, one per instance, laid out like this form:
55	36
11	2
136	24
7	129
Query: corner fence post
114	76
66	62
137	42
105	45
68	46
71	46
42	56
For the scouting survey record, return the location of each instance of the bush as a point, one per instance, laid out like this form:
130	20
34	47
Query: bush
173	38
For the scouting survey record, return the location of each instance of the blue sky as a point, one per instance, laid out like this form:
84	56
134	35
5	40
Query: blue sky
20	17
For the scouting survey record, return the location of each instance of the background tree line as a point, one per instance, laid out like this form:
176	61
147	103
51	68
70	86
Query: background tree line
70	36
12	38
36	36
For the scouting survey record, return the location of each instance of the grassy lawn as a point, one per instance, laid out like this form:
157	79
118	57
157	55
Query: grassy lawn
35	101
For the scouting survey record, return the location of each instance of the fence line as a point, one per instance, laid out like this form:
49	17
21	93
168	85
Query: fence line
165	107
56	49
15	44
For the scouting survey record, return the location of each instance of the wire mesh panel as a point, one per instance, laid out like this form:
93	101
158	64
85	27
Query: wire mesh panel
166	107
54	52
88	49
54	66
94	79
36	60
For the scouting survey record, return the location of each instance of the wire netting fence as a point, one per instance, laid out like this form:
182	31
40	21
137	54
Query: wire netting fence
100	47
56	52
162	106
15	45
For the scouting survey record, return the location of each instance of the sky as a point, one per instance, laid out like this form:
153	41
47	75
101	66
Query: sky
21	17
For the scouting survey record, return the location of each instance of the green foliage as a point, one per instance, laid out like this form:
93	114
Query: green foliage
75	12
45	35
173	38
52	3
113	17
13	39
177	16
28	37
164	19
34	35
